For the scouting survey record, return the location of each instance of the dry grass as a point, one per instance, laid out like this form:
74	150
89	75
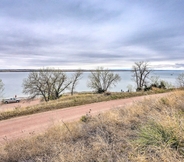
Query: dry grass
68	101
151	130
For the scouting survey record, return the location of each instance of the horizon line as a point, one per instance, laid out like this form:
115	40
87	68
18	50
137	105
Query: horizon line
73	70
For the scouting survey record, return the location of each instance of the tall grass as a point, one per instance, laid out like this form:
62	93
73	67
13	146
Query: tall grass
68	101
150	130
155	134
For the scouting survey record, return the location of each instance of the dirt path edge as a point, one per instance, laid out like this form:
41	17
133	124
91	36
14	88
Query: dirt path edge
36	123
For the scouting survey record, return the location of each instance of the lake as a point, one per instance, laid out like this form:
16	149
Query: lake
13	81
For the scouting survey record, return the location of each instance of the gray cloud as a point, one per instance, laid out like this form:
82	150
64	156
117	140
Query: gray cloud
179	65
77	33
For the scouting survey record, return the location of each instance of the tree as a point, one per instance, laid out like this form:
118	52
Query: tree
48	83
180	80
155	81
75	79
158	83
130	88
1	88
102	79
141	72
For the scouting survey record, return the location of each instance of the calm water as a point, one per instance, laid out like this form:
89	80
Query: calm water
13	81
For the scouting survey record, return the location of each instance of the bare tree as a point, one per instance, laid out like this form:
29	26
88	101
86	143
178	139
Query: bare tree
102	79
1	88
75	79
130	88
141	73
180	80
48	83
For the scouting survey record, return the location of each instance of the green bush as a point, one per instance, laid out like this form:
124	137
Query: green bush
84	118
155	134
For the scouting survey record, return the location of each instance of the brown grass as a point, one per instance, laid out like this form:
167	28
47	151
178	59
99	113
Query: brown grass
151	130
68	101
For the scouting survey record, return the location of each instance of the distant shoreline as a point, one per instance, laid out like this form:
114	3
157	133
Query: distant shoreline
64	70
68	70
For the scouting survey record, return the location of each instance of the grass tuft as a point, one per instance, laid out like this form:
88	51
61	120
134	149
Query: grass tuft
155	134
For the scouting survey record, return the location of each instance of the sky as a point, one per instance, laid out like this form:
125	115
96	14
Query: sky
86	34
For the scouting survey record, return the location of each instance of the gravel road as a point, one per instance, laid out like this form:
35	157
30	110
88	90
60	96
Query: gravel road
37	123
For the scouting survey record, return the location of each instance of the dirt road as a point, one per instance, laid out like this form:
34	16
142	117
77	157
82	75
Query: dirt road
33	124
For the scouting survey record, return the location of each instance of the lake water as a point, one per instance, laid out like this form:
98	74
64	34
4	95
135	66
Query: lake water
13	81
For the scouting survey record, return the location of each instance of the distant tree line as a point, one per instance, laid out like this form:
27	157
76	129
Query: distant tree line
51	83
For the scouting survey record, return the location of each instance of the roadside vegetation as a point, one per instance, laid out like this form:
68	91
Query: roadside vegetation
75	100
150	130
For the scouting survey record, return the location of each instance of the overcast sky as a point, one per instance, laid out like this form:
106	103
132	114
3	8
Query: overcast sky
72	34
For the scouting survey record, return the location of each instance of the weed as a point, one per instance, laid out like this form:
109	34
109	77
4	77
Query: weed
87	117
84	118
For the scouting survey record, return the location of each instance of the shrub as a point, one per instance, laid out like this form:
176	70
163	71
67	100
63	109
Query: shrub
100	90
155	134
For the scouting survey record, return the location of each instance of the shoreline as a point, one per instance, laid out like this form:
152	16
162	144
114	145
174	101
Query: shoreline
74	70
64	70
